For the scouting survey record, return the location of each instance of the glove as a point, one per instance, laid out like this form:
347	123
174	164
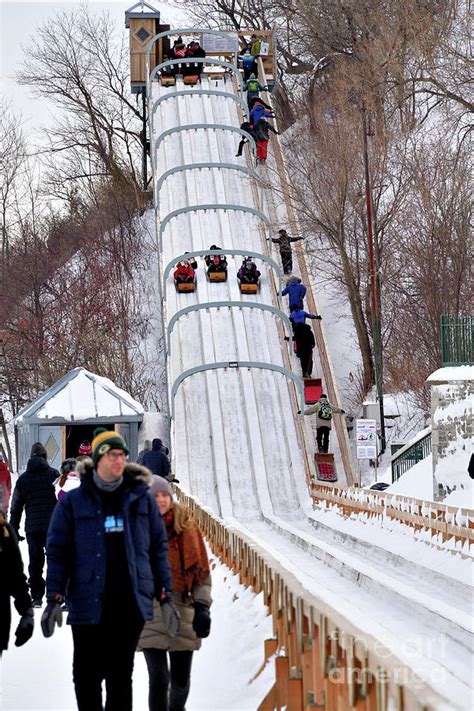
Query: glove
25	628
343	412
52	615
169	614
19	538
319	318
299	412
202	620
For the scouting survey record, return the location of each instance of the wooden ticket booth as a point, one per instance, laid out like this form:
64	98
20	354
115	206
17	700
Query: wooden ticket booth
143	21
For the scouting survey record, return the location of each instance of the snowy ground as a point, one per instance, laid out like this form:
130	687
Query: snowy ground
38	677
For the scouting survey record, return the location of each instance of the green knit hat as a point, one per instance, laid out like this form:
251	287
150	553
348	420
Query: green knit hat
104	440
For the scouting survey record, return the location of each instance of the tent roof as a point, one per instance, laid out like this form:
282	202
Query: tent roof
82	395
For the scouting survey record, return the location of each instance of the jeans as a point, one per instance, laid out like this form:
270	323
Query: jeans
105	652
322	436
162	695
36	548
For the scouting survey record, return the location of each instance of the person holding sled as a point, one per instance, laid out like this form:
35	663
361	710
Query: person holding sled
324	411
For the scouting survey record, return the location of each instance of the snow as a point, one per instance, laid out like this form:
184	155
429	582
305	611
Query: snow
83	396
416	482
223	669
452	373
463	496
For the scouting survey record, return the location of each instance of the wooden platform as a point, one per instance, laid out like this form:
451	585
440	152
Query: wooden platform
217	276
185	287
248	288
191	80
312	390
325	470
168	81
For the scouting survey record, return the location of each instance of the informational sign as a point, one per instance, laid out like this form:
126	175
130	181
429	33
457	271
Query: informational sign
215	45
366	434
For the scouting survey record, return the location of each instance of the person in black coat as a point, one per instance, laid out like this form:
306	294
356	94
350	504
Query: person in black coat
13	585
156	460
305	343
107	555
34	492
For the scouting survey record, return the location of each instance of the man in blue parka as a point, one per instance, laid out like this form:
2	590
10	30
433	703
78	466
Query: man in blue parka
156	460
107	555
296	291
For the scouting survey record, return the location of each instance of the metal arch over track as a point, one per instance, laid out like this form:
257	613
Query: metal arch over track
181	31
196	92
211	206
225	304
236	252
237	364
199	166
205	126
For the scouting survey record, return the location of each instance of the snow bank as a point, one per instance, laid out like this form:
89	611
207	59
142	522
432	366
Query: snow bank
416	482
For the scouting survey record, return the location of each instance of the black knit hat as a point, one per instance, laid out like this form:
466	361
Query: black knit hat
37	450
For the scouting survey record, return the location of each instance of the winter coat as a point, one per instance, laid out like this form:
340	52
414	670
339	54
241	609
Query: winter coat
76	549
248	60
262	130
5	485
256	47
155	634
184	271
315	409
253	88
156	460
13	581
295	290
34	492
299	316
304	337
259	112
71	483
248	275
284	240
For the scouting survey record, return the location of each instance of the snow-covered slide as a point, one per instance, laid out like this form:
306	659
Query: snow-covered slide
235	439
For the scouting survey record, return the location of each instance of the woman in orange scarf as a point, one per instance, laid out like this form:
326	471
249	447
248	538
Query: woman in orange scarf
170	683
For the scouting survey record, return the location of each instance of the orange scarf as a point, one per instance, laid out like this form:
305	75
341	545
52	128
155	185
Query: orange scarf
187	555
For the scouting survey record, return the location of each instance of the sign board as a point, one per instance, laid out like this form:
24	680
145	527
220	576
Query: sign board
214	44
366	435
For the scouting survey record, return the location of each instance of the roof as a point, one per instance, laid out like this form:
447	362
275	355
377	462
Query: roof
141	12
82	395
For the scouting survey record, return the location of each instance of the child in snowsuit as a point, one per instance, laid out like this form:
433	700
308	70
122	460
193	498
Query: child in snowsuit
215	262
295	290
248	272
324	412
284	241
253	88
248	63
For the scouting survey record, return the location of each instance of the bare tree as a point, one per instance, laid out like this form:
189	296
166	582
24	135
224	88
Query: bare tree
80	63
12	168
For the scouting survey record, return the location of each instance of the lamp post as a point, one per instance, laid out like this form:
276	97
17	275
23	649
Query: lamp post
374	269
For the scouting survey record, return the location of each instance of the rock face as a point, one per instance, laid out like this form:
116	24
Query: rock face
452	397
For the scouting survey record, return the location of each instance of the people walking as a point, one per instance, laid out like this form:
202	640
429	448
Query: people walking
14	586
169	659
156	460
284	241
5	484
299	316
146	448
107	554
253	88
324	411
34	493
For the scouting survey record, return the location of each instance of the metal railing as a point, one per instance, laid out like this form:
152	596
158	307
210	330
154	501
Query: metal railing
409	455
457	340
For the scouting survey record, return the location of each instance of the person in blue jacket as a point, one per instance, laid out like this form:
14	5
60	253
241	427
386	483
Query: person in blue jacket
296	291
107	551
249	63
259	112
156	460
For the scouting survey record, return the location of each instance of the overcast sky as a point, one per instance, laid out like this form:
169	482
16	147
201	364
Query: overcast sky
18	21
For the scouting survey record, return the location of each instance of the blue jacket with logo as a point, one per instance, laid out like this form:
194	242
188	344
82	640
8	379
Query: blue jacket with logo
75	546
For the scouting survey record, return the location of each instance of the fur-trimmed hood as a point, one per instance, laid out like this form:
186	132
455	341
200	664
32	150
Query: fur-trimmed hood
133	473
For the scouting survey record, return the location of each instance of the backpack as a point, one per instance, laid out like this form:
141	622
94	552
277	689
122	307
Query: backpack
325	412
252	85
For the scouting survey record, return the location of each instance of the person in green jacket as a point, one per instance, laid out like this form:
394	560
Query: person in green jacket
253	88
324	411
